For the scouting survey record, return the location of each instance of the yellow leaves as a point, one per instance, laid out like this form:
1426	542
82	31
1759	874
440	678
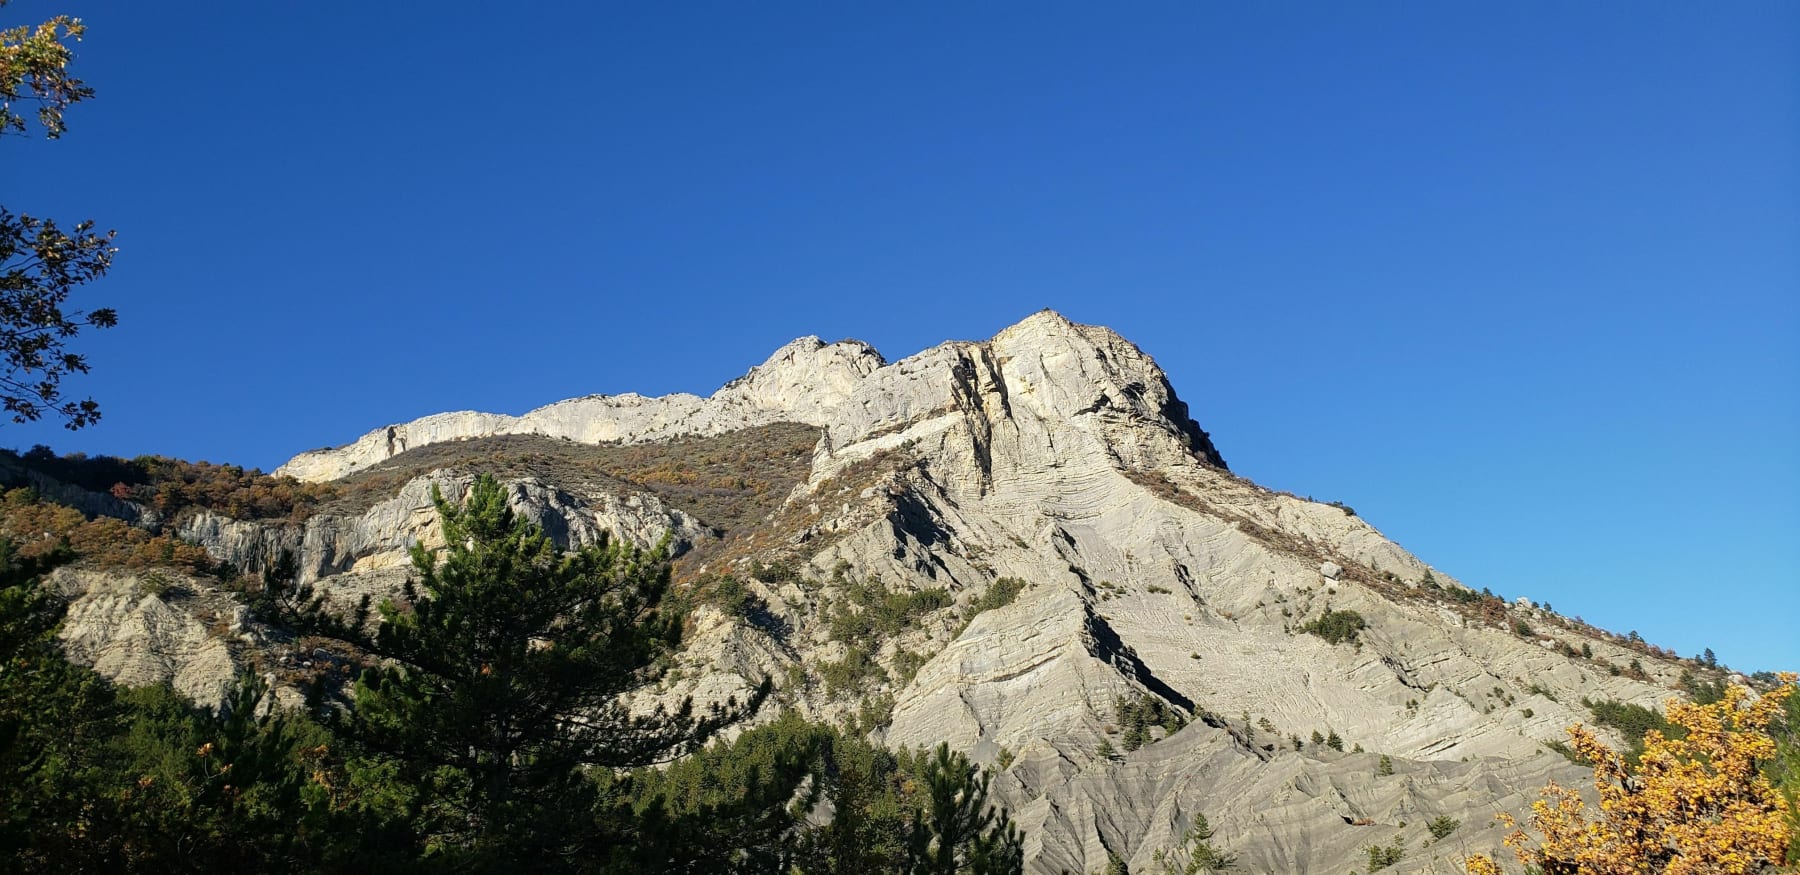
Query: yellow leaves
204	751
34	66
1697	805
1481	864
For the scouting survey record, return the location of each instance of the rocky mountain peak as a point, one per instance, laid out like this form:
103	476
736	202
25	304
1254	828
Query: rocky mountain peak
806	377
1044	393
1022	546
1061	371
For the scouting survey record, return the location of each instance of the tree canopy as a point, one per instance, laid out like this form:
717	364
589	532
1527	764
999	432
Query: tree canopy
42	263
1710	797
489	730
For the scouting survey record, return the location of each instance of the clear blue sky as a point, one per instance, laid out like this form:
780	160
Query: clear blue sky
1520	282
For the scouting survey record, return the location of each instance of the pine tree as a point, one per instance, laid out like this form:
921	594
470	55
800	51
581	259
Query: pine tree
55	720
1333	741
503	667
737	806
1195	852
223	790
1135	736
956	831
868	828
98	779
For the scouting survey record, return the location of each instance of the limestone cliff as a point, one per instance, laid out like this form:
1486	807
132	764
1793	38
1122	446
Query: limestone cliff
1074	540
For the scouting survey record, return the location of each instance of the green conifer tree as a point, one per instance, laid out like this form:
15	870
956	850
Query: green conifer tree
1195	852
503	667
55	720
957	832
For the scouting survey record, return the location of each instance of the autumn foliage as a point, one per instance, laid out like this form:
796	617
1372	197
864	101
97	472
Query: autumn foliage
1698	804
173	486
39	529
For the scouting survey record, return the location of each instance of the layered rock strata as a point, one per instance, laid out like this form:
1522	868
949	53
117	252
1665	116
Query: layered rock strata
1057	458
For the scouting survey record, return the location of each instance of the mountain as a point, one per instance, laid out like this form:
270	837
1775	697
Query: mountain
1023	546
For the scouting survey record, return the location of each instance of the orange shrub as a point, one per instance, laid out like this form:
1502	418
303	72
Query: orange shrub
1696	805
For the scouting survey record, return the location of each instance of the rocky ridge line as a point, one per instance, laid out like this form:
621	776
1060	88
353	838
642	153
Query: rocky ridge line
801	382
1057	454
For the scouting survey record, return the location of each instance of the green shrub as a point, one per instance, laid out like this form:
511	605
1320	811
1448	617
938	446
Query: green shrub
1381	857
1442	825
1139	714
1135	736
154	583
1703	692
1465	596
774	572
907	665
1632	721
729	595
999	594
1337	627
850	673
869	611
1568	753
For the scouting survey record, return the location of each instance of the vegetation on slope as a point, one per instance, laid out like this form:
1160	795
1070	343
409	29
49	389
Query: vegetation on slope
39	529
1634	722
485	734
1570	636
728	481
1337	627
171	486
1713	795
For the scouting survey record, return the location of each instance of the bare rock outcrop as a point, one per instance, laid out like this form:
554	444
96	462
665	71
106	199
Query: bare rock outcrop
1076	541
381	536
123	626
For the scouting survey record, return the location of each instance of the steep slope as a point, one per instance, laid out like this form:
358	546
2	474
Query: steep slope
1019	546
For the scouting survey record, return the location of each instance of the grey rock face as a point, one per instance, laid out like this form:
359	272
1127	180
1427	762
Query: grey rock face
120	626
381	537
1057	455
